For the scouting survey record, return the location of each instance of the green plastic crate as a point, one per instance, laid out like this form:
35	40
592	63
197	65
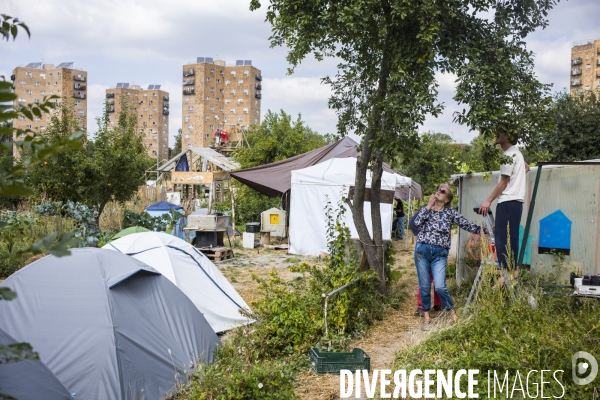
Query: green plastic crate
324	362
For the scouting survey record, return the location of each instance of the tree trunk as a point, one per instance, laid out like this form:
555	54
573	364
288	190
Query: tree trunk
373	247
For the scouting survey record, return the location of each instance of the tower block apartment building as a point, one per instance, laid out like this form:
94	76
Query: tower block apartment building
36	80
218	97
585	66
151	108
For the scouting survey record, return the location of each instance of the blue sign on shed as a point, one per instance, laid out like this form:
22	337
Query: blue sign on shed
555	233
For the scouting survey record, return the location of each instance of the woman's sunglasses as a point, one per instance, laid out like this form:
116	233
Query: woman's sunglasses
442	191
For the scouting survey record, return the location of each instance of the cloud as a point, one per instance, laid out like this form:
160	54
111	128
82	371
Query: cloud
148	42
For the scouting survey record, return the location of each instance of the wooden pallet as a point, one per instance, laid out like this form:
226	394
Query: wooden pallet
217	253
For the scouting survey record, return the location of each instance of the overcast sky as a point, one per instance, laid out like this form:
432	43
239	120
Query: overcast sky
147	42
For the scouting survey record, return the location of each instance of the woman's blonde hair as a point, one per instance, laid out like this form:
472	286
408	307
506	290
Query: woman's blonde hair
449	195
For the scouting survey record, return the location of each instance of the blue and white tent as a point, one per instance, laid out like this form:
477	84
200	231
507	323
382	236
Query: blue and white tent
192	272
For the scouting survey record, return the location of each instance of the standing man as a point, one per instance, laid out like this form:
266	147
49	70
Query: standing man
510	192
400	217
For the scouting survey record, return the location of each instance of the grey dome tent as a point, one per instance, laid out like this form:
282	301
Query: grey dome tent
107	325
28	378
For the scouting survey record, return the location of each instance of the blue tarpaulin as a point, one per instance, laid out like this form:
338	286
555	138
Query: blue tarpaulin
182	164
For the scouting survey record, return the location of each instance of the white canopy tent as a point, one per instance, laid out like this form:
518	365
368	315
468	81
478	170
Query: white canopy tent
192	272
312	187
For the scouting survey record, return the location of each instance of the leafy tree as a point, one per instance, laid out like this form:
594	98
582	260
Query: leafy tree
109	168
389	53
177	146
277	138
576	133
432	162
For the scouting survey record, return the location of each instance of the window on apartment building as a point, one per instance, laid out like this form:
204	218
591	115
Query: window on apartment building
136	95
43	93
255	121
227	101
150	116
233	73
154	109
55	83
255	102
149	144
128	94
257	113
36	118
217	99
144	124
187	118
232	110
27	126
187	99
212	70
29	91
58	91
190	108
245	91
186	136
42	128
217	117
227	82
246	72
212	89
588	66
208	79
36	101
22	82
47	84
43	76
232	127
226	119
212	108
154	95
58	73
587	87
221	109
29	74
145	109
240	101
189	145
191	127
207	98
207	117
211	127
240	119
218	81
80	111
21	118
145	94
141	116
240	82
232	91
207	135
150	101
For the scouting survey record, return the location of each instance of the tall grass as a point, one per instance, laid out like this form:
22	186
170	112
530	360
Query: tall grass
498	334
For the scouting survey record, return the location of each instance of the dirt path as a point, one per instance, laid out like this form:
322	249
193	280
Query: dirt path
398	331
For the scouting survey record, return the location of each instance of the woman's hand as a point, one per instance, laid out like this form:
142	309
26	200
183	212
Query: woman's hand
431	202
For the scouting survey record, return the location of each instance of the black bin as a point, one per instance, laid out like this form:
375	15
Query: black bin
208	239
253	227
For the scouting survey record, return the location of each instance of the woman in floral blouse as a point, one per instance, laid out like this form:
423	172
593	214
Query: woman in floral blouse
433	244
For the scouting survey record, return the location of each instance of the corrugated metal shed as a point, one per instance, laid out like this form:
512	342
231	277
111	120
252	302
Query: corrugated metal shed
572	189
204	153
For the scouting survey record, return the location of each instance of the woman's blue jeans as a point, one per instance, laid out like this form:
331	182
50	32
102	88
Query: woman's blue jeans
432	259
401	226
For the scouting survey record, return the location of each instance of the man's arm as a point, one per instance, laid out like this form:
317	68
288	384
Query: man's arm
485	207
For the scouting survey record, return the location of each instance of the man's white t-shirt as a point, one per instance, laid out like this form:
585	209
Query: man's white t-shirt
515	190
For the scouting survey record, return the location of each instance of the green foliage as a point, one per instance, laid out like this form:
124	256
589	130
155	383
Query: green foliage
26	234
277	138
110	168
430	164
502	335
576	135
86	230
177	146
10	27
159	223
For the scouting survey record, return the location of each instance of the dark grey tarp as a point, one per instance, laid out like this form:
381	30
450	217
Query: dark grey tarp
275	179
28	379
107	325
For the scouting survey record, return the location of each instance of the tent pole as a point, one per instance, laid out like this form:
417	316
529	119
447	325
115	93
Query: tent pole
232	208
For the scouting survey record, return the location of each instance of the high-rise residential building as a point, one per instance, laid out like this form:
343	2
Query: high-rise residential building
585	66
219	97
36	80
151	107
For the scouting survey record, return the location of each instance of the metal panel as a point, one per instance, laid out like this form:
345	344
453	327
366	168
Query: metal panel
572	189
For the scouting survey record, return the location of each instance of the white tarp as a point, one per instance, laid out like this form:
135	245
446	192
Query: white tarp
331	179
192	272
